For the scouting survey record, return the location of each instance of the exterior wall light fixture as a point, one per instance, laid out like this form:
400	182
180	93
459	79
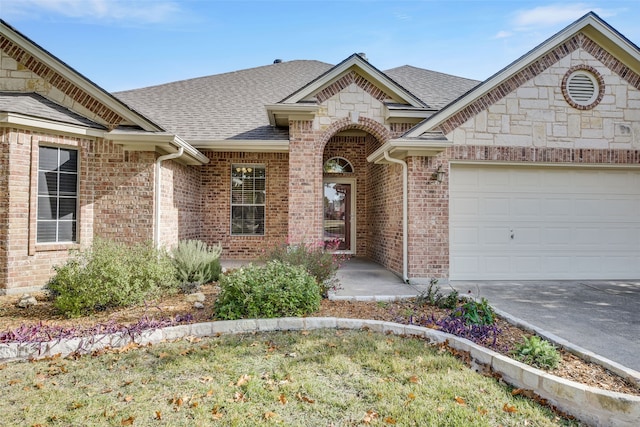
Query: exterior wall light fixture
438	175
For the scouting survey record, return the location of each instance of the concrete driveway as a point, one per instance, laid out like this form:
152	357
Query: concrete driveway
600	316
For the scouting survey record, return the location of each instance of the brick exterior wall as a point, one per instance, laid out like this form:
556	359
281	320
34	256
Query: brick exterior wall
428	201
123	185
4	204
115	202
181	203
27	265
216	203
384	213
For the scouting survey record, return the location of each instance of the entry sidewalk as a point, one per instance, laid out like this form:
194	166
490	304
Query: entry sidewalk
602	317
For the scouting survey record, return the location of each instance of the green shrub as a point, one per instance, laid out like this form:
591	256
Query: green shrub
196	263
108	275
275	290
319	261
476	312
537	352
433	296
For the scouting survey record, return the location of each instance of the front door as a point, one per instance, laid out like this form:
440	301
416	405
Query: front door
338	222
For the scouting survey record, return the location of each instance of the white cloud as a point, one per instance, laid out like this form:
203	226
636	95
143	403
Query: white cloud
546	16
130	11
502	34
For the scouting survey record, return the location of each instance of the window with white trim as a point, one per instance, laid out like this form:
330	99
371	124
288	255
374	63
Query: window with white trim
57	195
248	200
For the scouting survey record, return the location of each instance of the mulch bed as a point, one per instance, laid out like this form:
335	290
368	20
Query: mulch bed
571	367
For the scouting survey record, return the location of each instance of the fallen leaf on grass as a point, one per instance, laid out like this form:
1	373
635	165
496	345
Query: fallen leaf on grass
305	399
370	416
158	415
283	399
414	379
128	398
243	380
128	421
482	411
508	408
389	420
460	401
14	382
268	415
215	412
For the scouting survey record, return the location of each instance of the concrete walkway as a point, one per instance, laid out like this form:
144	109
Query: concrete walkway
602	317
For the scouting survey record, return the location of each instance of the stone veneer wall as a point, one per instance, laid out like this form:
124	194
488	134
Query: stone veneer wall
535	113
181	211
216	202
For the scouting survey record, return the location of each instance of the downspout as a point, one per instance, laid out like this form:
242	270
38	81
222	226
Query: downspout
405	214
158	193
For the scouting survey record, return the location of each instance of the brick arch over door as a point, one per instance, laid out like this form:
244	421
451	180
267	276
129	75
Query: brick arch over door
370	126
378	219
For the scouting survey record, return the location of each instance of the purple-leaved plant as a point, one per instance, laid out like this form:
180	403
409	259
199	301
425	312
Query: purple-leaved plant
35	334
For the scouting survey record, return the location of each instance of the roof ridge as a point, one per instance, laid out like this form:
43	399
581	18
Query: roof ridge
191	79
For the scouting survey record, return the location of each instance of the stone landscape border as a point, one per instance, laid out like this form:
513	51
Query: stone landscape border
589	404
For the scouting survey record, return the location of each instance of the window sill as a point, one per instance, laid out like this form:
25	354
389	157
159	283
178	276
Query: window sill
50	247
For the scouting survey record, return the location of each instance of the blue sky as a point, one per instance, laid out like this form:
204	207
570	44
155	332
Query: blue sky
126	44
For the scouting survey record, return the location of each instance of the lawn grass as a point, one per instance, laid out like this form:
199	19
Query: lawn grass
317	378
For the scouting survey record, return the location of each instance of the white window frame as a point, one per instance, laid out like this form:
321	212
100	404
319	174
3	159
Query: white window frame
254	197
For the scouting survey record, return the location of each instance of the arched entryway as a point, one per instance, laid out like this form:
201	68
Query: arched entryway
349	215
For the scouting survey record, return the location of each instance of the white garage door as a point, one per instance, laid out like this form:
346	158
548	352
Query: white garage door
544	223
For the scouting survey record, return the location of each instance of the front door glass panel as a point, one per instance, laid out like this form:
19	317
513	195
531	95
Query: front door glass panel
337	216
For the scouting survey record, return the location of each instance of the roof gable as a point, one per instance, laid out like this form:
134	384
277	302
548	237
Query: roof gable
590	33
304	104
354	69
66	86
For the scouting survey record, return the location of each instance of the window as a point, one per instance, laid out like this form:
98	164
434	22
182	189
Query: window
338	165
248	195
57	195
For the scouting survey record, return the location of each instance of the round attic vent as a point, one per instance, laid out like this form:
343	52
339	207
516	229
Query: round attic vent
583	87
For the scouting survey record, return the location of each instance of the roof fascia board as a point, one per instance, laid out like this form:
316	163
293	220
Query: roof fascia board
366	69
307	111
403	148
14	119
590	24
244	145
137	141
78	79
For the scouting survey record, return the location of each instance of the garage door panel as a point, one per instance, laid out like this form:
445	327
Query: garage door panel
466	206
553	237
465	236
495	207
567	223
496	264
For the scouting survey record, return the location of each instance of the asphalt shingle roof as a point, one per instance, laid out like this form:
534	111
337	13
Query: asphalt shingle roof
232	105
434	88
34	105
